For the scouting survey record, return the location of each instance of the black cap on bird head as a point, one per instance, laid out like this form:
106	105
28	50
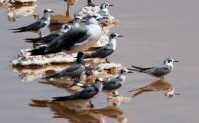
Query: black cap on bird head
48	11
113	35
80	55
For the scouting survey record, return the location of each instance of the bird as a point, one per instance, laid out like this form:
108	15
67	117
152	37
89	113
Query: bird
76	21
106	50
38	25
75	40
115	83
157	71
74	71
47	39
104	12
86	94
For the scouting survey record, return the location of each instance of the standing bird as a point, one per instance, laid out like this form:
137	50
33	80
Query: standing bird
74	71
157	71
76	22
47	39
115	83
104	12
86	94
37	26
106	50
75	40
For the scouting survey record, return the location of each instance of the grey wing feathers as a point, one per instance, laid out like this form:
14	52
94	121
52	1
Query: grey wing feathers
140	69
66	72
112	85
101	53
32	27
87	93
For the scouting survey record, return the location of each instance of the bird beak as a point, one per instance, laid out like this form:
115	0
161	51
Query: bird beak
175	61
111	5
130	72
83	21
51	12
177	93
120	36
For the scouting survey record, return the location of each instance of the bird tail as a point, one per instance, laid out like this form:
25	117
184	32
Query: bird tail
139	69
21	29
32	40
43	51
136	67
39	51
64	98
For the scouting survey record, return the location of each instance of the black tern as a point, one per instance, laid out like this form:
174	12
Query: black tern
157	71
115	83
104	12
106	50
37	26
74	71
75	40
86	94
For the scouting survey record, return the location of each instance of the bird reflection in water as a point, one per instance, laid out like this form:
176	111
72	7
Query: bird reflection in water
30	73
79	112
158	85
15	11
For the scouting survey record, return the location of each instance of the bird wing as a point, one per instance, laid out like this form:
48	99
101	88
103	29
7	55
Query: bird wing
87	93
34	26
160	71
43	40
66	41
112	84
75	68
141	69
102	53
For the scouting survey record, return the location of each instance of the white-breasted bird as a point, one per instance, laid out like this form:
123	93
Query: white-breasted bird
157	71
37	26
75	40
104	12
106	50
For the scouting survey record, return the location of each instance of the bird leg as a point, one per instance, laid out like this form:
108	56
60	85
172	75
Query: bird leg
115	93
34	45
107	61
162	78
91	104
40	35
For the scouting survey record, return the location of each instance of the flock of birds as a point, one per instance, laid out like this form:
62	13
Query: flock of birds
79	37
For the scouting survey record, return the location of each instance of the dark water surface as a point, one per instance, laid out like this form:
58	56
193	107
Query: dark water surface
153	30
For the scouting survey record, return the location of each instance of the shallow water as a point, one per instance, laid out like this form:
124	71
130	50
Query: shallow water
153	30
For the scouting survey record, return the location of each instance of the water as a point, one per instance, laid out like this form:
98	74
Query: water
153	30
